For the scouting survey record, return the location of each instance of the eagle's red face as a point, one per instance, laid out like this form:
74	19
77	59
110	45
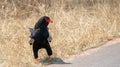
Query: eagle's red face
48	20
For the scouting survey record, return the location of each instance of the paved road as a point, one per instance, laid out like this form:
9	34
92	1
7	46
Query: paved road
107	55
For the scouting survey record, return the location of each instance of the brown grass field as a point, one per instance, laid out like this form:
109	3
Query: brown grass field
77	25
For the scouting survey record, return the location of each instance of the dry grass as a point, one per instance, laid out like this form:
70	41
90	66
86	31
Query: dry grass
75	28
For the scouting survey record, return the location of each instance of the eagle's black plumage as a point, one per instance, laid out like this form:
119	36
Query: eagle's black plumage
40	35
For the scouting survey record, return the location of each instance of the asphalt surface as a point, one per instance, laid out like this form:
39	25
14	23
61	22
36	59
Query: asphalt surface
107	55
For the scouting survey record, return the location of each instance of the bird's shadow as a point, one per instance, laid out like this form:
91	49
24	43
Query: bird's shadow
55	60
